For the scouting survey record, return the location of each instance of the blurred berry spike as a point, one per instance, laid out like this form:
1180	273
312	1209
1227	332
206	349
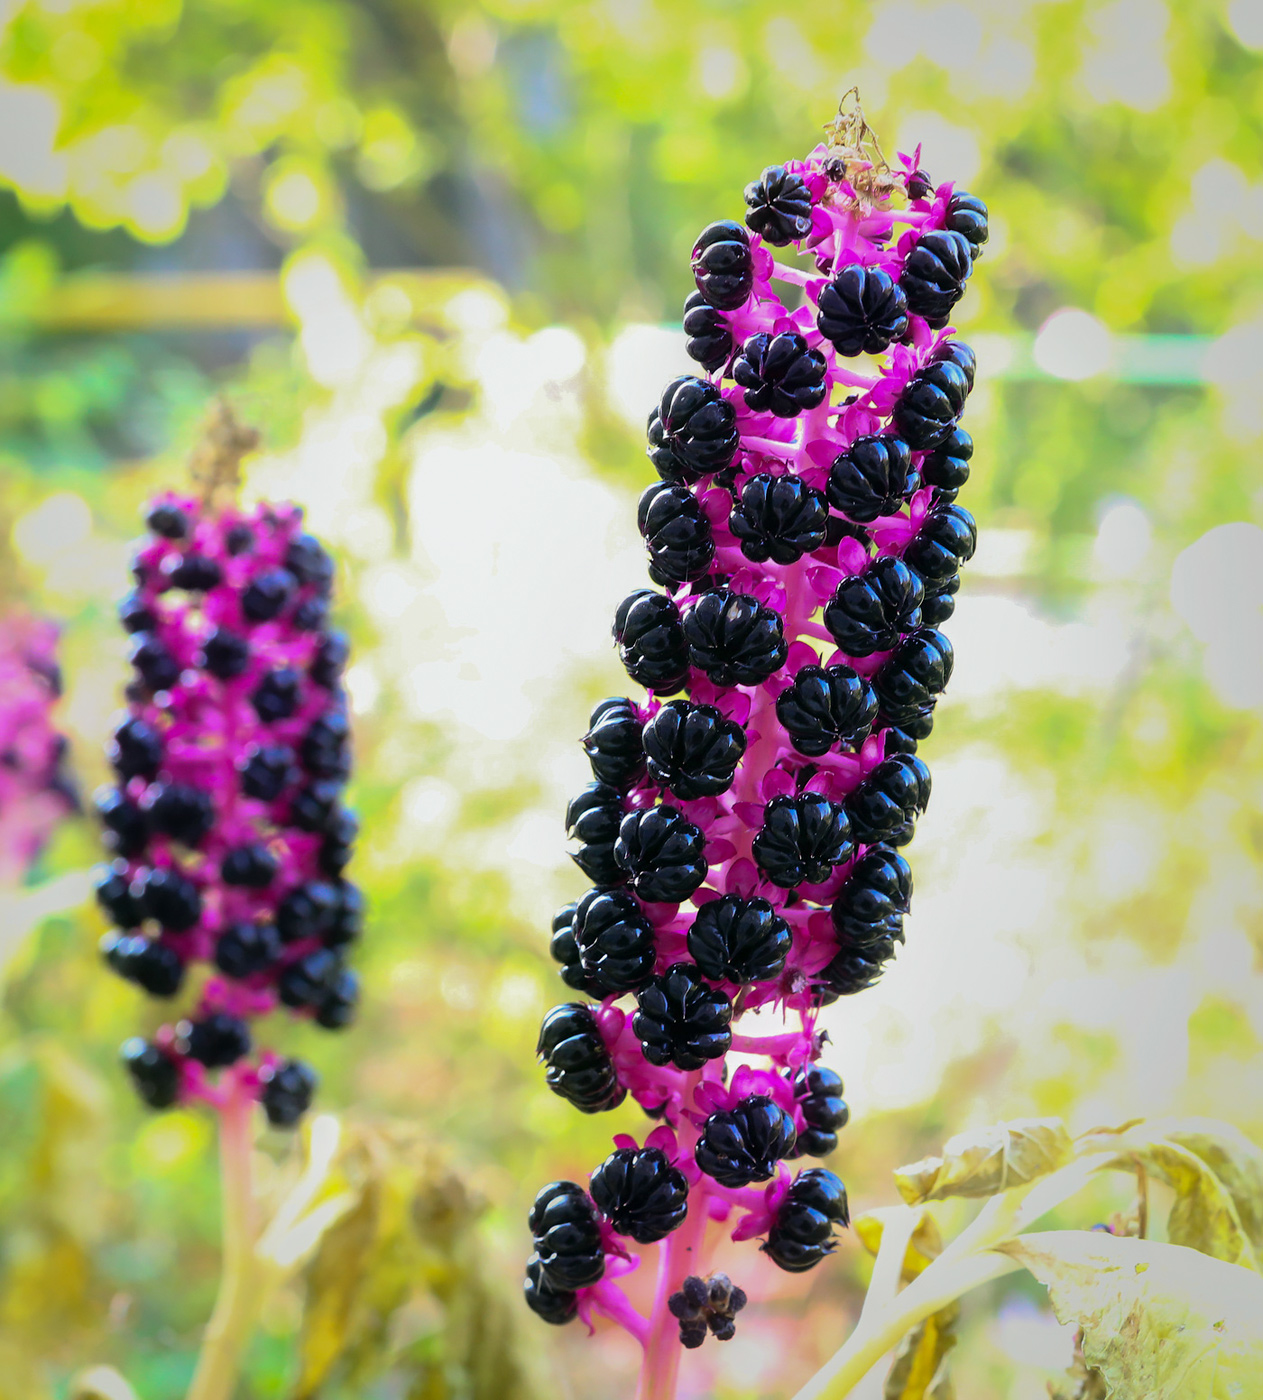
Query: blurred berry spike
746	838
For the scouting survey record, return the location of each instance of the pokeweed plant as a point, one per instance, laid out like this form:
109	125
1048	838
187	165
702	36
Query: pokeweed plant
744	840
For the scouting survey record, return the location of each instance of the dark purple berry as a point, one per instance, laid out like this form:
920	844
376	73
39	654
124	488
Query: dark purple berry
267	770
677	533
853	970
778	518
919	184
681	1021
612	742
564	949
868	612
887	804
739	940
550	1304
734	638
348	920
567	1235
934	274
217	1040
239	540
276	696
579	1066
692	430
135	614
336	1008
640	1193
253	866
615	941
723	267
325	749
169	521
957	353
315	807
779	206
196	573
309	562
744	1144
114	894
709	340
288	1089
947	467
154	664
127	831
780	374
870	478
153	1072
802	1233
946	540
180	811
916	673
155	967
967	215
938	607
862	310
306	983
877	894
267	594
818	1093
926	413
225	654
310	615
135	750
592	819
692	750
651	643
661	853
827	706
243	950
170	898
307	911
331	658
802	839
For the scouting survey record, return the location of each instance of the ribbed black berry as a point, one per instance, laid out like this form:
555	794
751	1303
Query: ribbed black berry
723	267
946	540
330	659
744	1144
862	310
780	374
802	1233
908	733
708	338
170	898
267	594
651	642
155	665
135	615
869	611
919	184
818	1093
217	1040
194	572
267	771
592	819
338	845
887	804
244	949
253	866
967	215
288	1089
916	673
692	430
870	478
661	853
612	742
225	654
677	533
852	970
778	518
934	274
615	940
169	521
567	1235
325	750
316	808
306	982
114	894
640	1193
310	615
925	413
276	695
692	750
154	1073
682	1021
348	919
827	706
309	562
180	811
779	206
938	607
565	950
579	1067
802	839
307	911
155	967
135	750
550	1304
877	894
336	1008
947	467
126	829
739	940
956	352
734	638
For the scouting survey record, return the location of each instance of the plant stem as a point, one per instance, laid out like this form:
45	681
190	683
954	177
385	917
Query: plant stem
231	1323
679	1254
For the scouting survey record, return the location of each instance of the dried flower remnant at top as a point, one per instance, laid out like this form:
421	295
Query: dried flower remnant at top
35	789
225	823
745	825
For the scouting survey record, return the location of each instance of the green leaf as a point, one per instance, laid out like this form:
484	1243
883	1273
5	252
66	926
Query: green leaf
1215	1171
1160	1321
987	1161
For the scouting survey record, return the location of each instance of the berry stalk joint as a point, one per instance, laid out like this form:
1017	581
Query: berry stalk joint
744	827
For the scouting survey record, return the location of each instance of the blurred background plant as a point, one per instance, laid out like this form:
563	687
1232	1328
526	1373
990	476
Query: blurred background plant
436	253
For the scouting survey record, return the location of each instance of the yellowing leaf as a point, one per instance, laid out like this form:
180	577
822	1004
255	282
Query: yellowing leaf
1160	1321
925	1245
988	1161
920	1365
1216	1173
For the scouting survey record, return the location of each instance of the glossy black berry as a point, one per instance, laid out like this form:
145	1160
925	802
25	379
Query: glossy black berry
661	853
336	1008
938	607
802	1233
934	274
339	832
916	673
870	478
802	839
592	819
615	941
310	615
325	750
267	594
154	1073
135	750
309	562
640	1193
276	695
957	353
169	521
734	638
868	612
708	338
877	894
135	615
779	206
677	533
739	940
315	807
827	706
818	1093
926	412
170	898
180	811
225	654
682	1021
564	949
862	310
744	1144
886	805
266	771
217	1040
919	184
196	573
778	518
967	215
288	1089
126	830
244	949
553	1305
306	982
947	467
253	866
651	642
579	1067
567	1235
692	750
348	919
722	265
780	374
612	742
853	970
330	659
153	966
692	430
114	894
307	911
239	540
946	540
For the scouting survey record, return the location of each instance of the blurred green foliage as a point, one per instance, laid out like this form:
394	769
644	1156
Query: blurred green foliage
565	154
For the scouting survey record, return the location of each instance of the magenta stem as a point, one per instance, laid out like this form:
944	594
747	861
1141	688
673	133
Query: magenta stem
784	273
773	447
772	1045
608	1298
